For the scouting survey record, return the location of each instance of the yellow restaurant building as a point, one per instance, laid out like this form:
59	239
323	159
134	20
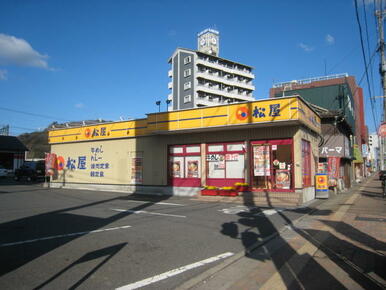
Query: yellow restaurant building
270	144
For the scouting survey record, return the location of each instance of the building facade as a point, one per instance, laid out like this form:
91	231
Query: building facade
201	78
340	94
373	155
270	144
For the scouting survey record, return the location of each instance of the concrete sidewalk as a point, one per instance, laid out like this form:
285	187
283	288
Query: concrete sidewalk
340	244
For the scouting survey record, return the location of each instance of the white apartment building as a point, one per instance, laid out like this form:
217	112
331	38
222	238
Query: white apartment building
373	156
201	78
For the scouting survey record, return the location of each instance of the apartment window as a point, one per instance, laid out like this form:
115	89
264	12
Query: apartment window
187	99
187	59
187	72
187	85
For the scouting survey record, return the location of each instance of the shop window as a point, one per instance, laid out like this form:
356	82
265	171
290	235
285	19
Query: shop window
272	165
306	158
215	148
185	165
193	149
225	164
234	165
235	147
176	149
177	166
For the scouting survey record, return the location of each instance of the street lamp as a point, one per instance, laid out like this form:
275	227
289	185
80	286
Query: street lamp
167	104
158	103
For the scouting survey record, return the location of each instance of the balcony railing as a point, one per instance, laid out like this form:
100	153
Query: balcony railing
229	82
226	69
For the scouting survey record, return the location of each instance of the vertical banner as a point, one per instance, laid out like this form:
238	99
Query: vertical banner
137	170
333	167
50	163
261	161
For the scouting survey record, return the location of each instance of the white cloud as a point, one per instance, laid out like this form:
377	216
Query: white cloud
330	39
17	51
79	105
306	47
3	75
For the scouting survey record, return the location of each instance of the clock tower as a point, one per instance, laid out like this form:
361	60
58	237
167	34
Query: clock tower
208	41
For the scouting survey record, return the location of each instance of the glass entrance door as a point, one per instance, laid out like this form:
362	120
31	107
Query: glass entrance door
272	165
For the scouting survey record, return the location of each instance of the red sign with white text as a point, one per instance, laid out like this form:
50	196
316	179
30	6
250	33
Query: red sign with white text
382	130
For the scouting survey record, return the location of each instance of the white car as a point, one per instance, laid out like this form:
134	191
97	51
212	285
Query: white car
3	171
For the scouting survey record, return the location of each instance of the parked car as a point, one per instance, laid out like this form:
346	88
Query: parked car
31	170
381	174
3	172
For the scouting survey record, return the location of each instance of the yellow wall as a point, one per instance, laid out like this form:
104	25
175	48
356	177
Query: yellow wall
264	111
119	153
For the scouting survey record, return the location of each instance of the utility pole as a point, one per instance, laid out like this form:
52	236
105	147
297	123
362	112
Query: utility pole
382	70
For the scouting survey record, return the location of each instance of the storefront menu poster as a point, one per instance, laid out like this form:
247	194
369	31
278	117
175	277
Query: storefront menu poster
283	179
261	161
176	169
137	170
193	169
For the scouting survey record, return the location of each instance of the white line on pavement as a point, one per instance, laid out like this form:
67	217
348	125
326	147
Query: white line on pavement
63	236
174	272
162	203
148	212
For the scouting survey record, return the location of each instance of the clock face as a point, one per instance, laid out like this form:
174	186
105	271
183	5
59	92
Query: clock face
214	40
202	41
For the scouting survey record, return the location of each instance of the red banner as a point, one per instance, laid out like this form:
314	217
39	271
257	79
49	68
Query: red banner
382	130
51	164
333	167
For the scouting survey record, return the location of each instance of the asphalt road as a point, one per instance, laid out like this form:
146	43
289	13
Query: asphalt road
61	239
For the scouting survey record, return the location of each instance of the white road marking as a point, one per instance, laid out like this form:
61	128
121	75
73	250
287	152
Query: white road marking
147	212
242	208
162	203
63	236
174	272
235	209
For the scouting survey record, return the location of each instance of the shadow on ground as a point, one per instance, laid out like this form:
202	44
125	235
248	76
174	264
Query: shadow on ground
303	271
19	247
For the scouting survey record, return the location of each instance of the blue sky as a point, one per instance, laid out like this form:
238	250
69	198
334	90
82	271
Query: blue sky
79	60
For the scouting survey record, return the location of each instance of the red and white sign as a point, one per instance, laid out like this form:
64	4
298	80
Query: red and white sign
333	167
50	161
382	130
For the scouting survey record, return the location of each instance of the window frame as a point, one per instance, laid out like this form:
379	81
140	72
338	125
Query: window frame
187	72
187	99
187	59
187	85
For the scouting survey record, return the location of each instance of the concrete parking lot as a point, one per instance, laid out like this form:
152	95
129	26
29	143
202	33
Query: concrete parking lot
60	239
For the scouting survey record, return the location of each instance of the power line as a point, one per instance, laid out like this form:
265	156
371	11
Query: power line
342	60
33	114
364	59
23	128
372	101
